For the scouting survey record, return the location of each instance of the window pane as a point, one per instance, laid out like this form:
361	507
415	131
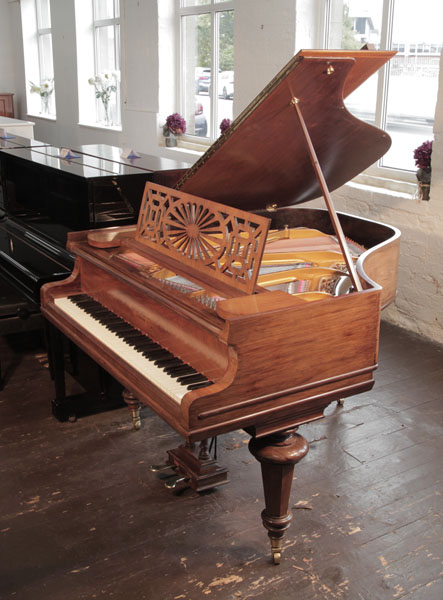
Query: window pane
106	9
46	66
186	3
413	79
226	67
106	60
196	70
43	14
353	24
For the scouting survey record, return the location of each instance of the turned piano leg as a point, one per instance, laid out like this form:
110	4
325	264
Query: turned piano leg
277	454
134	406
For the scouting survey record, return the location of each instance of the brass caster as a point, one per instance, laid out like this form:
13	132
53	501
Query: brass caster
136	419
276	550
340	402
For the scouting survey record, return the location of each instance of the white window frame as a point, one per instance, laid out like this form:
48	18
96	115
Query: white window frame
114	22
377	171
198	9
32	48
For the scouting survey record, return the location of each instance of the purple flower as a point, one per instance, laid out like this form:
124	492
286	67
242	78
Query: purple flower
176	124
224	125
422	155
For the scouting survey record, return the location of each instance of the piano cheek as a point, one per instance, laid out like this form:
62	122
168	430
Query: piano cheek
208	395
282	382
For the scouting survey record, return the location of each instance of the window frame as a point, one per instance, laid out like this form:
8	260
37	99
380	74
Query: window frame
211	8
97	24
378	171
33	56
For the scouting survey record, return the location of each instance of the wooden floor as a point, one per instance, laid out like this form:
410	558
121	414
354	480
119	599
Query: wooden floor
81	516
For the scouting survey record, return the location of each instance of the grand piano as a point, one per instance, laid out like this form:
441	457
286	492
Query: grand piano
228	306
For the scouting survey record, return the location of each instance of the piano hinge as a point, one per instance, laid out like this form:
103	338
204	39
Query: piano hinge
271	207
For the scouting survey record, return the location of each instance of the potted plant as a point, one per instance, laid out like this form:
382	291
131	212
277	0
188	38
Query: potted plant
224	125
175	125
422	156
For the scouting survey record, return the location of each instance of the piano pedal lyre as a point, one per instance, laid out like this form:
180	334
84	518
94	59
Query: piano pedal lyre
194	467
134	406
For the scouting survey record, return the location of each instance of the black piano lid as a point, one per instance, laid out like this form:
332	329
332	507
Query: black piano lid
146	162
17	141
263	158
87	167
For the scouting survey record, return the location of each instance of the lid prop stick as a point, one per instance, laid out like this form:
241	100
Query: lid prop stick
327	196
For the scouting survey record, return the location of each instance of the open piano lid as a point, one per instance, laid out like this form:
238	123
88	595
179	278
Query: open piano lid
263	159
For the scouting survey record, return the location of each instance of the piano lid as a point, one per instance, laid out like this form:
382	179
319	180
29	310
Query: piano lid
263	158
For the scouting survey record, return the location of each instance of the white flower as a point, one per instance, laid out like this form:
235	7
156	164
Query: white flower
35	89
91	80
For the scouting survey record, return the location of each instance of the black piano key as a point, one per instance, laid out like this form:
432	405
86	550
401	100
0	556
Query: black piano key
88	306
74	297
116	326
179	371
196	386
164	363
136	338
133	333
167	356
122	333
153	354
143	346
185	379
110	320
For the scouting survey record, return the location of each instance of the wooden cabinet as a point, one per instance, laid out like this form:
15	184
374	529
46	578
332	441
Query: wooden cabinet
7	105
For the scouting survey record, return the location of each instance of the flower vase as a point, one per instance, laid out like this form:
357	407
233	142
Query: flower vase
171	140
107	120
424	183
45	105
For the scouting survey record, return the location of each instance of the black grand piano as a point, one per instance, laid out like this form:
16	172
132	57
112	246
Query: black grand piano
44	196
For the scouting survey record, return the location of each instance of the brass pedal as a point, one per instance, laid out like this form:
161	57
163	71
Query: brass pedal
172	482
160	468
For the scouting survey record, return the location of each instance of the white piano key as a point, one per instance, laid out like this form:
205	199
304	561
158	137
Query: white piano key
135	359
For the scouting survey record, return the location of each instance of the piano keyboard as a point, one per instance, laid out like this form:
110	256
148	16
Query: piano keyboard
165	370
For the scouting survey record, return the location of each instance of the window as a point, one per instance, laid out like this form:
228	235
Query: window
106	37
401	98
39	68
206	65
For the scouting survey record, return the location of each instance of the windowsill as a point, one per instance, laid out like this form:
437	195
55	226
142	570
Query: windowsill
42	116
101	127
398	187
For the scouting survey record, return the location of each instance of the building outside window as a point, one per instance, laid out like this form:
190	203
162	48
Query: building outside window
401	98
39	67
206	65
106	42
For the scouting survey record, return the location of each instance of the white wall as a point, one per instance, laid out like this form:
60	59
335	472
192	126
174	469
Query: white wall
7	79
267	33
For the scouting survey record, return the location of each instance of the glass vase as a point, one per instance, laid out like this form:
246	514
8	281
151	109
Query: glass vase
45	105
107	114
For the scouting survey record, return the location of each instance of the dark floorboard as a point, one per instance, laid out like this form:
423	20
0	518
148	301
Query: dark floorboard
82	517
